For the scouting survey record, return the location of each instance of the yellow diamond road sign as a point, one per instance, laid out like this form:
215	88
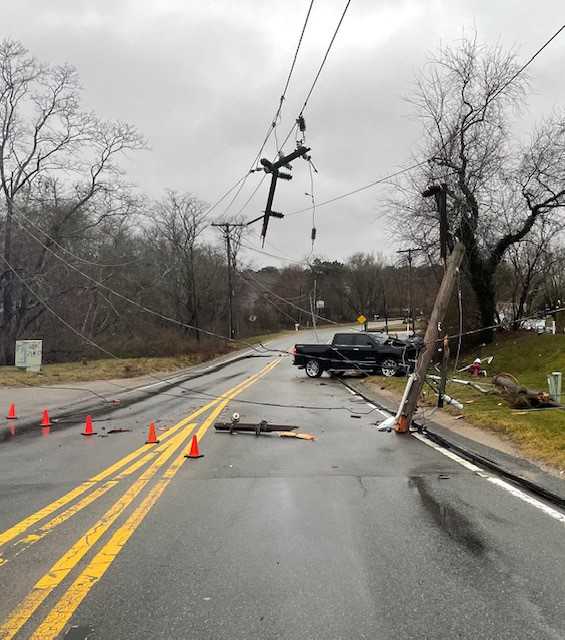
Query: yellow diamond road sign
361	319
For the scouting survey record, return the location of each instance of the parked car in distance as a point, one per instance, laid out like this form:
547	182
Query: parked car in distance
366	352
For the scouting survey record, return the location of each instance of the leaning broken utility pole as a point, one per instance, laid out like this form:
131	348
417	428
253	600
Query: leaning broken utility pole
416	380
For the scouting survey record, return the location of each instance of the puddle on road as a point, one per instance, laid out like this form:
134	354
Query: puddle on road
451	521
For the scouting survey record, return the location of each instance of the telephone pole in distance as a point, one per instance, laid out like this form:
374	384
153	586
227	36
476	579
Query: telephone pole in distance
226	228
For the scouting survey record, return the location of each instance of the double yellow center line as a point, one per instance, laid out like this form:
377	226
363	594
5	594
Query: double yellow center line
65	607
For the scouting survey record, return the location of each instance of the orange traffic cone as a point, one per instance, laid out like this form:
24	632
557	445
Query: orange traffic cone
88	430
152	435
194	451
12	412
45	422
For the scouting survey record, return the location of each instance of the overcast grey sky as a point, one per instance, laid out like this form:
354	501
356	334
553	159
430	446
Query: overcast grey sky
202	78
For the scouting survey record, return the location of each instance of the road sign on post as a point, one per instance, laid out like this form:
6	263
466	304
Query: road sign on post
28	355
361	319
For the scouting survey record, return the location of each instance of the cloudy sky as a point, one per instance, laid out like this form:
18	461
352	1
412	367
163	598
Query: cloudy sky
202	78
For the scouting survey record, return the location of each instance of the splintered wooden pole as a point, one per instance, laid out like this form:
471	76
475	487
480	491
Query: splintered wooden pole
406	411
443	377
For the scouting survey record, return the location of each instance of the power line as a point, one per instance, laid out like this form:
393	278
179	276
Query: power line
524	66
359	189
272	127
54	313
297	48
272	255
225	195
289	302
318	73
92	263
148	310
325	57
115	357
251	196
419	164
180	323
268	300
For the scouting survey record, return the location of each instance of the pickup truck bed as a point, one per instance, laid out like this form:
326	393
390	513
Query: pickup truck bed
367	352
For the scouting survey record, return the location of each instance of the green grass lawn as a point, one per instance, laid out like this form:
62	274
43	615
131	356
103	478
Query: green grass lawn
539	434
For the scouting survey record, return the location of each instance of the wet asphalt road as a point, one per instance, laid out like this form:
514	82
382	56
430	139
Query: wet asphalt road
360	534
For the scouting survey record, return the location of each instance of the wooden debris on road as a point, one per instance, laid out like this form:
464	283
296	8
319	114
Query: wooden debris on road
300	436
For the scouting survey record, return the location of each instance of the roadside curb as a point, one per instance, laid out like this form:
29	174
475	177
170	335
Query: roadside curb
126	398
519	471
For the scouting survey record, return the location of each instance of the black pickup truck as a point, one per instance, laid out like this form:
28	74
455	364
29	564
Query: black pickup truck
367	352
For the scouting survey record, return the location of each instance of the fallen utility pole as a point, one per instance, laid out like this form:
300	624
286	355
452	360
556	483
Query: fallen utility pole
410	401
226	228
257	428
274	169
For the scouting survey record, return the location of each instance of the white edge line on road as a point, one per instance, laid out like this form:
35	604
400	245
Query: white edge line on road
515	491
383	413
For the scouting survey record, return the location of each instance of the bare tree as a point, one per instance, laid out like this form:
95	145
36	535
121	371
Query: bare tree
530	262
363	282
497	190
180	220
48	141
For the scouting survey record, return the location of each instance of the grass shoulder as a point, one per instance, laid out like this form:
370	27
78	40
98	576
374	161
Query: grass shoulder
113	369
539	434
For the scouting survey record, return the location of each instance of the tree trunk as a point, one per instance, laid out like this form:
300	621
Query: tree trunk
482	281
7	337
194	296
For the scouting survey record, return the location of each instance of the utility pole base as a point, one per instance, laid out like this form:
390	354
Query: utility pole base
402	425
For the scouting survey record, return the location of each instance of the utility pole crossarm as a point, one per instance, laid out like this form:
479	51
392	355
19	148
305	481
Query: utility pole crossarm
274	169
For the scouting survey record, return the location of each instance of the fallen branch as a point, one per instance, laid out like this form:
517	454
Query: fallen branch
519	396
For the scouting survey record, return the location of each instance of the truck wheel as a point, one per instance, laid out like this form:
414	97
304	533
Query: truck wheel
313	369
389	368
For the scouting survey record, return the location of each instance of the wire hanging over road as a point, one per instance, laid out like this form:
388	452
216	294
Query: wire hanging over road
274	122
427	160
